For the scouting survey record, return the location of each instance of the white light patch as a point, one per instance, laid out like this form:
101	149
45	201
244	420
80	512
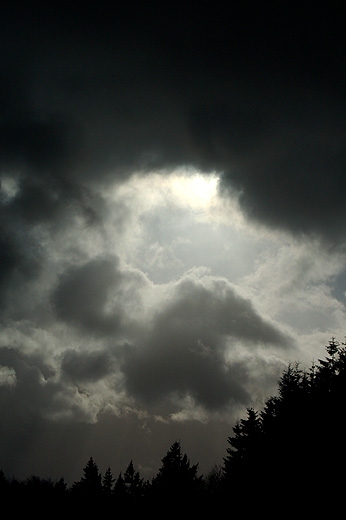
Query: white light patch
182	186
168	221
196	190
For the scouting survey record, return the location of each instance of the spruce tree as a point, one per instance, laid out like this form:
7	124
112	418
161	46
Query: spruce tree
244	449
133	483
91	479
90	485
177	477
107	482
119	490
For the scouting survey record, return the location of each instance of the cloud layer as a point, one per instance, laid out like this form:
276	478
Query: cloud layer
127	302
158	87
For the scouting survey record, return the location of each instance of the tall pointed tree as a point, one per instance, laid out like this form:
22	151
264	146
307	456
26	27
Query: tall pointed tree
119	490
133	482
91	478
107	482
177	477
244	445
90	484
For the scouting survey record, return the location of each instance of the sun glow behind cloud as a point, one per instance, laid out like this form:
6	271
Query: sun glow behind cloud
196	190
183	187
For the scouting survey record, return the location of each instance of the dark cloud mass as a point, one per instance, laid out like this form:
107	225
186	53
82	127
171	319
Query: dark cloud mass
81	296
186	351
255	91
84	366
96	97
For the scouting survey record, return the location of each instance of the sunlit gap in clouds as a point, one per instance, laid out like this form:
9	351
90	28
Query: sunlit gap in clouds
185	187
165	206
169	221
170	197
193	188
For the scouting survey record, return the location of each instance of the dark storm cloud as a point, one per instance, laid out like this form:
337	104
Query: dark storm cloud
185	354
11	258
33	391
99	296
293	176
33	142
39	155
18	264
255	91
82	294
86	366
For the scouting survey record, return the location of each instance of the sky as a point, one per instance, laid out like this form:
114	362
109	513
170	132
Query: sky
172	222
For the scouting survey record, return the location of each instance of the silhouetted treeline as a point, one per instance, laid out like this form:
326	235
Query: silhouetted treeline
290	452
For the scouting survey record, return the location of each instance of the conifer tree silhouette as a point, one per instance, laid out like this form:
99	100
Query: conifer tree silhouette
107	482
177	477
133	483
119	490
90	485
296	443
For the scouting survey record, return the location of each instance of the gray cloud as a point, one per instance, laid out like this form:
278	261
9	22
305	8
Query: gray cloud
185	354
99	296
21	261
31	442
34	392
86	366
81	296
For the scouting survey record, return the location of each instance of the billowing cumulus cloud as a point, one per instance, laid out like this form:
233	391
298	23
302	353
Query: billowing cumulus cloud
99	296
186	351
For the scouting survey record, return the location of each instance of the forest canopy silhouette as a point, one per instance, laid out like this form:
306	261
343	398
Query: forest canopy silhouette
292	447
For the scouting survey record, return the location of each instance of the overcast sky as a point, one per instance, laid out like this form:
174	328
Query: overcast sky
172	228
